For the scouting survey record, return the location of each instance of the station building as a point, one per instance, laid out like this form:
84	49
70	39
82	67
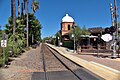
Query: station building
66	27
87	42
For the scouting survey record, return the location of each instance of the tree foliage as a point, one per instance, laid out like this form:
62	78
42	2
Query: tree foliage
16	41
0	33
19	36
34	29
77	31
35	6
20	32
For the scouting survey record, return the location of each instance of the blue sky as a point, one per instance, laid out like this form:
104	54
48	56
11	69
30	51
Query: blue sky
91	13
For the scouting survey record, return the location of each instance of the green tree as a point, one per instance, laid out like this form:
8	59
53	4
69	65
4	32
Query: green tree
19	36
16	29
58	34
0	33
85	31
34	29
77	31
26	14
46	39
13	14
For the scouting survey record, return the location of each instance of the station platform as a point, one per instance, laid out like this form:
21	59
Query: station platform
103	66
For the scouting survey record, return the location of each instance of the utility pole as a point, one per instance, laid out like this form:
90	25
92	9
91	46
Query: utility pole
114	16
4	45
74	31
74	39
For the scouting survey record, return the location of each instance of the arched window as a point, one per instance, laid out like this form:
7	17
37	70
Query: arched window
68	27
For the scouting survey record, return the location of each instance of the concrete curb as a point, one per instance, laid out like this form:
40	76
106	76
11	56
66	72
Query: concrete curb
104	72
111	69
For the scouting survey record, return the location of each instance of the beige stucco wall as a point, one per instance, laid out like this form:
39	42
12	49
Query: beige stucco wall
64	27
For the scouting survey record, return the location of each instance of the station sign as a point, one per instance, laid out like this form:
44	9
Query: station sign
106	37
3	43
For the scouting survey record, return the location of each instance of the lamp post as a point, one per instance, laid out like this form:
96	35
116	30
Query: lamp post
73	35
58	41
3	44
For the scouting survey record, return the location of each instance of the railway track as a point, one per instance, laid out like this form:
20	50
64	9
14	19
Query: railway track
56	55
44	67
57	67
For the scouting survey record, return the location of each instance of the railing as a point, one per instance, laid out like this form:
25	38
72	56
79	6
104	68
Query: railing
92	47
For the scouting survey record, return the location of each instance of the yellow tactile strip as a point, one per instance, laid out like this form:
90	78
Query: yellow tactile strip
118	59
102	72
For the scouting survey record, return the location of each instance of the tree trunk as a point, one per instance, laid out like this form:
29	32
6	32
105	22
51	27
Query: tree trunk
13	12
22	13
18	8
26	13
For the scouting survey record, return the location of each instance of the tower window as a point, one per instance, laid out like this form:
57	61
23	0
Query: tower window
68	27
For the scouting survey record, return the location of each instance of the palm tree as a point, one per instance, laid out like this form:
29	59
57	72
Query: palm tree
18	8
13	8
34	28
13	13
26	13
19	36
35	6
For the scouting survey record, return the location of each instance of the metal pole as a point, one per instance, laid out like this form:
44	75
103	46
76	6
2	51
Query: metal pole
116	18
116	32
3	56
73	26
4	38
58	42
98	45
74	38
112	14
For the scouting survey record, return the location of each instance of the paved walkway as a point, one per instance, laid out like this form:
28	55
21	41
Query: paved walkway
23	67
105	67
92	57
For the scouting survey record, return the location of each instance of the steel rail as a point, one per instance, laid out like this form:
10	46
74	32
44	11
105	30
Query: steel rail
44	67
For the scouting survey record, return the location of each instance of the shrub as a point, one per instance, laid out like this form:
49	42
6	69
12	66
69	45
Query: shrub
1	62
68	44
27	49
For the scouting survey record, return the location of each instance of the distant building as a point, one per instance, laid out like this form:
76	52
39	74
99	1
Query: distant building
93	41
